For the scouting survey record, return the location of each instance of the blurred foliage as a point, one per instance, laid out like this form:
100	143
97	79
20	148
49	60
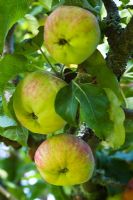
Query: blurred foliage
19	178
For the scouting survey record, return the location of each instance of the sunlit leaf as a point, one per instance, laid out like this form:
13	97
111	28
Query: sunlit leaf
10	13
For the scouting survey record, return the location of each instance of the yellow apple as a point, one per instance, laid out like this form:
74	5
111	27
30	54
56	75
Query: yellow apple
71	34
64	160
33	102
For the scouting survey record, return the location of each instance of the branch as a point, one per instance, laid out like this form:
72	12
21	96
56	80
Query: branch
120	40
6	194
112	20
8	142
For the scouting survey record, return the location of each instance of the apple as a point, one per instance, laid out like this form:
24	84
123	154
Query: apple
71	34
64	160
33	102
128	193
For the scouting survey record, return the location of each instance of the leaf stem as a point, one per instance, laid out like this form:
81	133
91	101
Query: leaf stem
52	67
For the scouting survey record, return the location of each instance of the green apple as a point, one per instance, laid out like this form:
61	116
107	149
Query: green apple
64	160
33	102
71	34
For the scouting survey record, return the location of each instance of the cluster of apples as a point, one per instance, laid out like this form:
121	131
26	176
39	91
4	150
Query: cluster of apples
71	35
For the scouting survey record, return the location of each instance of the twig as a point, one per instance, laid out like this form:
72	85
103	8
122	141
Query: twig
8	142
5	193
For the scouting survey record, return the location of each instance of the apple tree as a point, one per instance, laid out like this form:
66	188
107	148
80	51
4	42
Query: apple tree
66	100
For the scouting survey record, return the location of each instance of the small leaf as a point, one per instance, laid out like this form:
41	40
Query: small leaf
15	133
96	66
5	121
94	107
117	138
81	3
31	45
10	66
66	105
47	4
10	13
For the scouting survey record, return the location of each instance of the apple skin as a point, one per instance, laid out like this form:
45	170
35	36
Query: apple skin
128	193
71	34
33	102
64	160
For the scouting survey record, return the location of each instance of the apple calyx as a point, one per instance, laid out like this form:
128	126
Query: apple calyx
64	170
33	116
62	42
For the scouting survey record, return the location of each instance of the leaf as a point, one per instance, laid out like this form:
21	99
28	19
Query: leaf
93	108
66	105
101	110
5	121
10	13
10	66
47	4
96	66
125	1
31	45
81	3
15	133
117	138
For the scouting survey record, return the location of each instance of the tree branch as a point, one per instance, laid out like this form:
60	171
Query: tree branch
120	40
6	194
8	142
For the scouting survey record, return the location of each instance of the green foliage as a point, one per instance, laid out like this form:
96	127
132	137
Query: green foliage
96	66
117	137
99	109
32	45
67	109
10	13
97	100
96	116
10	66
15	133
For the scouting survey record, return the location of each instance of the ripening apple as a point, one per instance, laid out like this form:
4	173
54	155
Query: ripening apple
128	193
71	34
33	102
64	160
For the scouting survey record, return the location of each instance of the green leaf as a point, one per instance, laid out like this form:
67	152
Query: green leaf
125	1
101	110
117	138
31	45
10	13
81	3
93	108
46	3
10	66
96	66
5	121
15	133
66	105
